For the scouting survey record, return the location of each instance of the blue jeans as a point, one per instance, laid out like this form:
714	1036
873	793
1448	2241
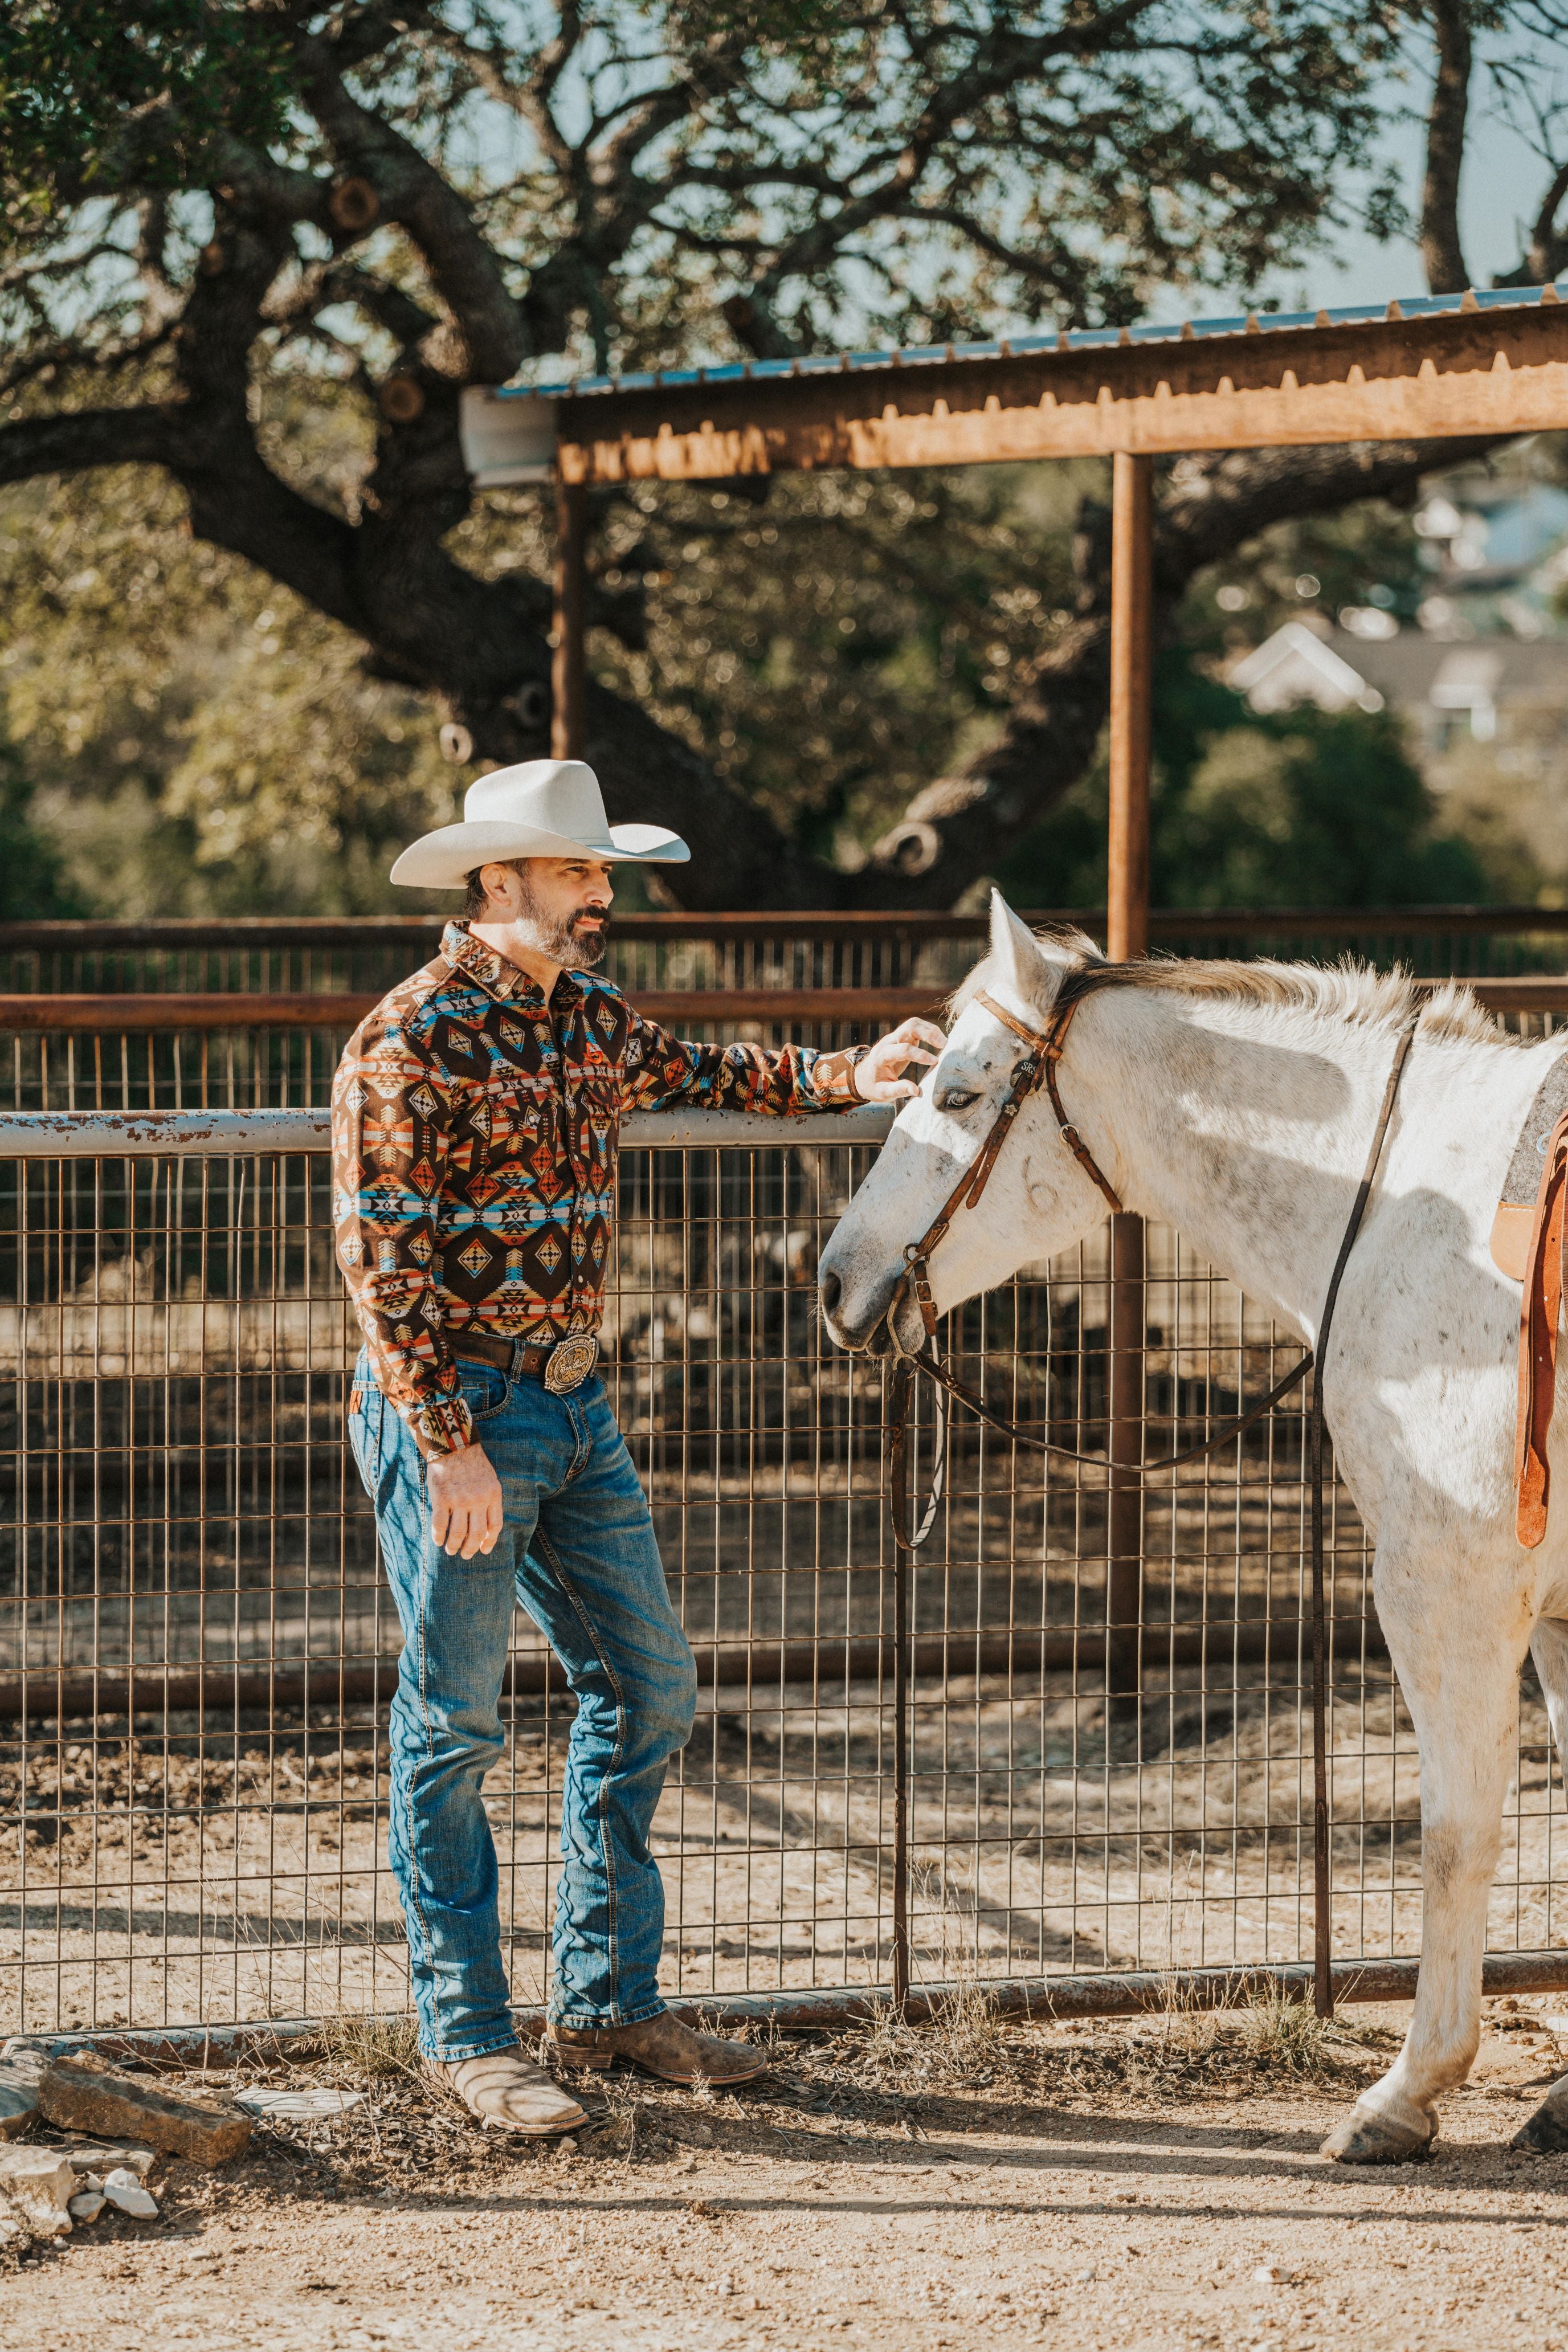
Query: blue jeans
577	1549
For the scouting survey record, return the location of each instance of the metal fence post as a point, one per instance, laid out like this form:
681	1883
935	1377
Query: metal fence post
1131	658
1127	935
567	673
1125	1538
900	1782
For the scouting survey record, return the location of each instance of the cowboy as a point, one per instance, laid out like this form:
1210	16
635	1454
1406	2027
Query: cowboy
475	1122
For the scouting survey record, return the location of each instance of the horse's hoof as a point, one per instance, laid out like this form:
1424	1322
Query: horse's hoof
1546	2132
1378	2139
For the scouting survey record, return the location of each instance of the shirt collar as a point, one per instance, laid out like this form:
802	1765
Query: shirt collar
495	975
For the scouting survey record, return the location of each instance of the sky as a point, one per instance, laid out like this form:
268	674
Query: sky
1500	187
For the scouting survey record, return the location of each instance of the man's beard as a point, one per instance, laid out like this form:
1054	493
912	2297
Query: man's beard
578	939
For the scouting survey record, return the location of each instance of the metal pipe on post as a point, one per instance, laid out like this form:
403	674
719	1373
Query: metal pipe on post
900	1782
567	672
1127	935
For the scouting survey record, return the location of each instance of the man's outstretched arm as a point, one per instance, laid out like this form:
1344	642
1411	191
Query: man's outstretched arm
784	1081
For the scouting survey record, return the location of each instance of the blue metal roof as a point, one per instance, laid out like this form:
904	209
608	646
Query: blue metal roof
1076	339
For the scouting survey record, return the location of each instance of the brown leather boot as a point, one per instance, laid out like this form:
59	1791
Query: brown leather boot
660	2046
509	2093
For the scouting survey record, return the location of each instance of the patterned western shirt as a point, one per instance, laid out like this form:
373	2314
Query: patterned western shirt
474	1132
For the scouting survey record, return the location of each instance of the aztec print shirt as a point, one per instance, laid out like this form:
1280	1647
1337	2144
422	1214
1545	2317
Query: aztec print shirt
474	1132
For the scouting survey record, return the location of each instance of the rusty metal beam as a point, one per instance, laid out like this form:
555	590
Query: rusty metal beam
1502	372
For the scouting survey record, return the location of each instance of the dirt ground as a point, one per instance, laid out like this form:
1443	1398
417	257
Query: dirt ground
1152	2184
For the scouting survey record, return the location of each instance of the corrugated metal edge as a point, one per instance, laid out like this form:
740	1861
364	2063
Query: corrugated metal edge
1020	346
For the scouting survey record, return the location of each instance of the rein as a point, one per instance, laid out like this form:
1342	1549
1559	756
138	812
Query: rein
1039	1067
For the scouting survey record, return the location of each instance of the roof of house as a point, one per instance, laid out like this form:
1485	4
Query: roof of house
1406	668
1409	669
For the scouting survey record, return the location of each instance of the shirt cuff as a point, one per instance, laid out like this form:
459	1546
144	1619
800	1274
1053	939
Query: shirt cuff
833	1079
444	1426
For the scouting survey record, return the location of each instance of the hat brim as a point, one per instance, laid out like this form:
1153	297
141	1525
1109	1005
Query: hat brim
445	859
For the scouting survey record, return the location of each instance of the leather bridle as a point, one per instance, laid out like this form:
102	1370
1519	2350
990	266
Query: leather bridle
1039	1064
1038	1067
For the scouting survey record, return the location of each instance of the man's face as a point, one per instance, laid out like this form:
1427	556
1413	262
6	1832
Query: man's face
566	908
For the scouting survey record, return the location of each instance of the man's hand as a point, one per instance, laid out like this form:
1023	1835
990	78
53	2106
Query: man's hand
465	1502
913	1044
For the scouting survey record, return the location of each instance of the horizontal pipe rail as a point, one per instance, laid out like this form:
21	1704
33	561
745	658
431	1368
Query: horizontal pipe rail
419	935
149	1134
57	1694
263	932
339	1009
672	1008
1116	1994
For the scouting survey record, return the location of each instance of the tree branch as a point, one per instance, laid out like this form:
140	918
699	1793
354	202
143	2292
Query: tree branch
85	437
463	267
1548	247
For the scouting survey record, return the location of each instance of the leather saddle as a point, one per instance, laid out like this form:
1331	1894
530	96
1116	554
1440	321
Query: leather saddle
1530	1245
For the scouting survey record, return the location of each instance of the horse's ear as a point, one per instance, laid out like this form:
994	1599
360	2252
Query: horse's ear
1016	951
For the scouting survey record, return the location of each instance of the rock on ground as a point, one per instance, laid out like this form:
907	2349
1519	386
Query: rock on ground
82	2094
19	2073
41	2182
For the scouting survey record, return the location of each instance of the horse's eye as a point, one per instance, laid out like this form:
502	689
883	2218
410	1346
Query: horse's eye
955	1098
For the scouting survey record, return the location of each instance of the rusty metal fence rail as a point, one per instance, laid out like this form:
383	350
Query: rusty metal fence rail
649	954
197	1651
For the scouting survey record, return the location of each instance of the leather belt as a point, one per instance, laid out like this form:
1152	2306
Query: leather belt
563	1366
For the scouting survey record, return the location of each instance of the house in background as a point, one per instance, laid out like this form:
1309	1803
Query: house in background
1299	664
1477	666
1501	690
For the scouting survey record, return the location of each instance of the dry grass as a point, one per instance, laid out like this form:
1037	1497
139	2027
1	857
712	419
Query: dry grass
968	2047
375	2049
963	2045
1289	2037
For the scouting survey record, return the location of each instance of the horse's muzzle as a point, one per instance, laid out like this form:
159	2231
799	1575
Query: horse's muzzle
859	1338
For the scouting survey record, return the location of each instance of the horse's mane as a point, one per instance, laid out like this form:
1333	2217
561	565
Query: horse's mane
1348	991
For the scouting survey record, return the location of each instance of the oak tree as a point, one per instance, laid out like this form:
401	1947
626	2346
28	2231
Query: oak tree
213	203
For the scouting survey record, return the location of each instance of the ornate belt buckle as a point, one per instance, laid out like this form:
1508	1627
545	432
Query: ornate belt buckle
571	1362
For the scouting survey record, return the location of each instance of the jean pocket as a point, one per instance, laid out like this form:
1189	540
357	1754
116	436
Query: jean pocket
485	1389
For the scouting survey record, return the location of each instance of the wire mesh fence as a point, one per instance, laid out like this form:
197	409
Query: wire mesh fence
196	1650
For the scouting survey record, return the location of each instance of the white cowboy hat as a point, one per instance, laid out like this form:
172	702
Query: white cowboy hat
543	808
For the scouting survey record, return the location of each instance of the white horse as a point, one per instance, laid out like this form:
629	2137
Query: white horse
1236	1103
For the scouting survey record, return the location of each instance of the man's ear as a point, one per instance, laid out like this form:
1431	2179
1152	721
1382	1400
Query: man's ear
1015	952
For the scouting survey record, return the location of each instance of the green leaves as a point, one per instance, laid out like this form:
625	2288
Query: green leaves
95	96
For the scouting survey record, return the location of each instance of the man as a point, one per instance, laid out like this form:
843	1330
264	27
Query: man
475	1123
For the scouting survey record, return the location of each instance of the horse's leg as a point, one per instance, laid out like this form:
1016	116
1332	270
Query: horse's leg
1548	2127
1459	1674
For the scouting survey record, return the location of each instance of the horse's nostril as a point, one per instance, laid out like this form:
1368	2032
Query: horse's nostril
832	1292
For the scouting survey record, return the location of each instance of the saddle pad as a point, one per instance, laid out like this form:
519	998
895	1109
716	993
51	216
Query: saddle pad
1516	1209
